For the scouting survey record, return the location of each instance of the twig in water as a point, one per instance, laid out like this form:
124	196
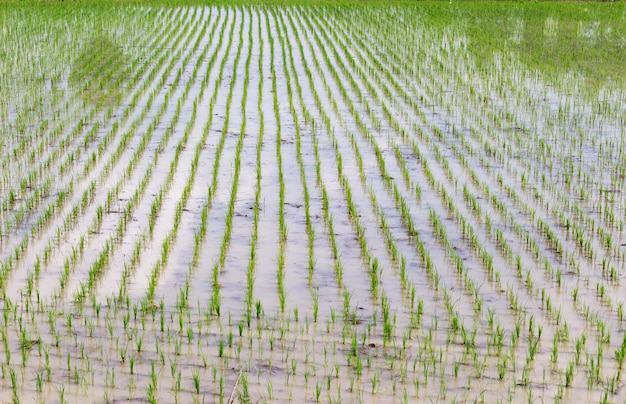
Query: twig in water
231	400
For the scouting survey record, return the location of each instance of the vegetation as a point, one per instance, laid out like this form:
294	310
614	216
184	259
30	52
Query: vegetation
311	201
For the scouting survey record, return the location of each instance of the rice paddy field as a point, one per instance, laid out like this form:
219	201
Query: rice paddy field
312	202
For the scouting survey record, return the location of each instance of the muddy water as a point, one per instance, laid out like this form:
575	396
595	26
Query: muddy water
476	219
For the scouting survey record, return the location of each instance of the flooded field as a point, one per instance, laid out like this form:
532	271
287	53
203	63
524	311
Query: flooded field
306	203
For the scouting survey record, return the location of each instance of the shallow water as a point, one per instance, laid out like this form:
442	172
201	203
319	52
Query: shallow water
469	247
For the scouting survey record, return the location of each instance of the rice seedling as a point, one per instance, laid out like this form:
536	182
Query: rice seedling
328	202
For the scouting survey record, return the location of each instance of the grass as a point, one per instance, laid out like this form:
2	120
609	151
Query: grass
577	35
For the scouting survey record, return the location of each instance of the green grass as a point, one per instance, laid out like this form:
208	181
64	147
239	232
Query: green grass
552	37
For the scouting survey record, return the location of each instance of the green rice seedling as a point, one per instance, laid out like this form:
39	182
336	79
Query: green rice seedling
196	381
356	102
61	391
152	385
